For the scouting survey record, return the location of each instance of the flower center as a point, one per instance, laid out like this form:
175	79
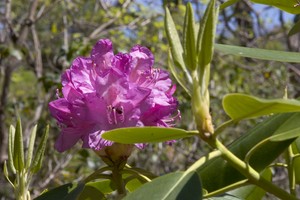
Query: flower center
115	115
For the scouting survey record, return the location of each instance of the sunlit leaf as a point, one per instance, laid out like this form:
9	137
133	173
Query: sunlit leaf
145	134
227	4
290	6
261	158
263	54
206	36
176	185
241	106
189	38
174	41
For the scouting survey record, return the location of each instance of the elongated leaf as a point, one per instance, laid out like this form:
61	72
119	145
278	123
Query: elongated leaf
224	197
18	147
295	29
30	147
105	186
38	158
145	134
287	135
61	192
227	4
263	54
241	106
296	159
206	35
11	142
263	157
174	41
251	192
178	75
189	39
75	193
285	5
176	185
91	193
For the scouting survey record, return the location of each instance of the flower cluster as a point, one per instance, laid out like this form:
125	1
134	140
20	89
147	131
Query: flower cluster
107	91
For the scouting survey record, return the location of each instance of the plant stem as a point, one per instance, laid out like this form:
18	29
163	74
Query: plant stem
253	176
118	180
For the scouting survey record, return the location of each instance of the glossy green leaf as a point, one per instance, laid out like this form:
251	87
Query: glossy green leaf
261	158
206	36
30	147
62	192
227	4
18	155
91	193
251	192
286	135
176	185
189	38
295	29
263	54
104	186
145	134
133	184
11	141
174	41
38	158
241	106
285	5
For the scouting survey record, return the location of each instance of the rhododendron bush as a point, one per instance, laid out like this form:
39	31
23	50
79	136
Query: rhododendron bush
114	104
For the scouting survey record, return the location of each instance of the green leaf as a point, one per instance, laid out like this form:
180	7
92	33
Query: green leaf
68	191
263	54
91	193
295	29
189	39
75	193
296	159
224	197
260	159
285	5
241	106
206	35
176	47
286	135
250	192
174	41
38	158
18	155
145	134
11	142
227	4
176	185
104	186
133	184
178	75
30	147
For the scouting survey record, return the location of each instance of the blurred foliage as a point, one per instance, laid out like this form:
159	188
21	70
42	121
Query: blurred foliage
69	28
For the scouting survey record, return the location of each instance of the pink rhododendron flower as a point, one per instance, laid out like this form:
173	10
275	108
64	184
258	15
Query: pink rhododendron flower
107	91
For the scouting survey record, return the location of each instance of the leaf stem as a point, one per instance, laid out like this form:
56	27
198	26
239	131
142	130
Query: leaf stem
252	175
